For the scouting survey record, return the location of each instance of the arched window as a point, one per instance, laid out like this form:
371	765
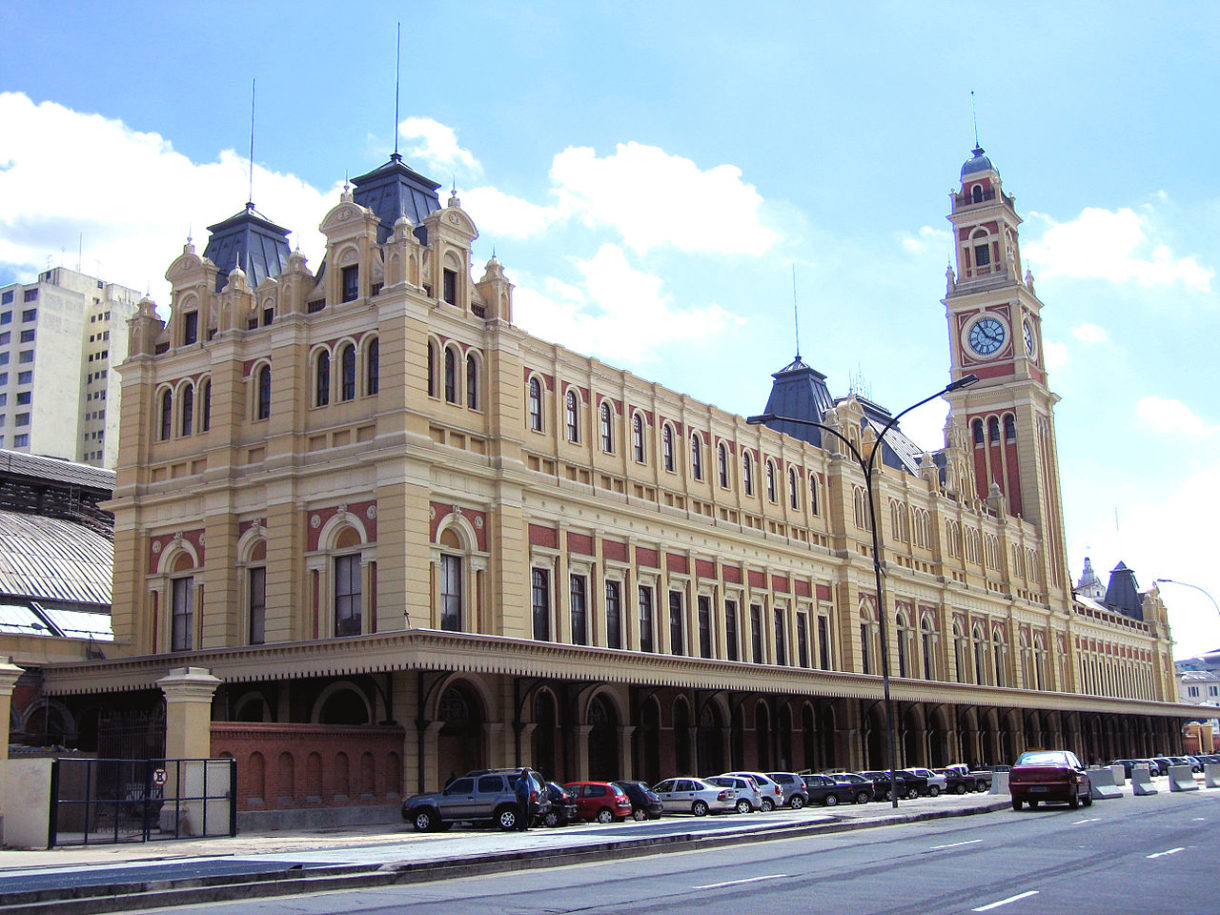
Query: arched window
372	368
794	492
188	410
205	405
431	369
572	416
722	465
637	437
347	365
747	473
607	429
167	415
535	405
978	431
813	493
998	652
667	446
993	429
451	381
1010	427
262	408
696	456
322	380
770	482
472	381
980	655
928	635
959	652
976	194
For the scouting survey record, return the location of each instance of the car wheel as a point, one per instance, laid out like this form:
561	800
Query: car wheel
1016	803
424	821
767	805
862	797
743	806
551	820
639	814
1033	805
1086	800
912	794
960	789
933	790
506	819
796	802
699	808
1074	801
830	800
605	815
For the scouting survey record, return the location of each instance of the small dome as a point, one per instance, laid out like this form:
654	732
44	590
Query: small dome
978	163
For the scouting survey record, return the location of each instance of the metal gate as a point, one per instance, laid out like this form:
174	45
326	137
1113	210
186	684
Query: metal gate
107	801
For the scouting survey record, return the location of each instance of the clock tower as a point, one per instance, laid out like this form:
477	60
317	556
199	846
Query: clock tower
995	331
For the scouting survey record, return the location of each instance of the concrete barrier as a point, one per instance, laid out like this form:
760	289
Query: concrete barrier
1181	778
1101	784
1211	775
1120	775
999	783
1141	781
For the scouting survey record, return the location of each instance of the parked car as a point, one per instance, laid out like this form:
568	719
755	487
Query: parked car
934	783
824	790
749	798
1161	763
645	805
906	785
793	787
863	788
604	802
982	777
956	781
772	794
480	797
1049	775
563	806
694	795
1195	765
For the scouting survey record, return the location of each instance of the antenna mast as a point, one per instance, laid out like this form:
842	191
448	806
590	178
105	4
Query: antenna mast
796	317
397	80
975	117
250	198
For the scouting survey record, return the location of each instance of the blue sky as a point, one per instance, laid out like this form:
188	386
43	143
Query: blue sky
663	167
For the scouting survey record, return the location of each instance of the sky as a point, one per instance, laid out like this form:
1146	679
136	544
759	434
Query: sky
664	181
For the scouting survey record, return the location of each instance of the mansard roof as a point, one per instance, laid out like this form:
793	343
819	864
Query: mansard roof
249	241
800	392
1123	594
395	190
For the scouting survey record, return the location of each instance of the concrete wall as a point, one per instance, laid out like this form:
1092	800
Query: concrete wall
25	793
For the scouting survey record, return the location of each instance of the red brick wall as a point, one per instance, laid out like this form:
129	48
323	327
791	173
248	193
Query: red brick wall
287	766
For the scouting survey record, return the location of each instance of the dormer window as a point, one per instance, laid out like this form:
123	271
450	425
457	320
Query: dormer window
450	286
190	327
351	283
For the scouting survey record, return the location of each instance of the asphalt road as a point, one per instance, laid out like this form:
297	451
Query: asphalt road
1154	855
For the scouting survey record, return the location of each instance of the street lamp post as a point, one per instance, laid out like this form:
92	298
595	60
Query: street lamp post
1186	584
866	466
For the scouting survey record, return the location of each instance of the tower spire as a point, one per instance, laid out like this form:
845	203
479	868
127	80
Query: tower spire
975	117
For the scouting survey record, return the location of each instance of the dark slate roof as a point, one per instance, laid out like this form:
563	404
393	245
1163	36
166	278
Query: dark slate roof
800	392
249	241
396	190
978	163
53	559
897	450
56	470
1123	593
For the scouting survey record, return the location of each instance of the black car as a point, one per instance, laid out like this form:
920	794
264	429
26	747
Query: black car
563	806
957	781
907	785
645	805
863	788
824	790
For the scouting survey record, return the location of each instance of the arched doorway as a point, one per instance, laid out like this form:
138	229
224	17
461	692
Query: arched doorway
827	757
546	734
737	739
681	732
603	740
876	756
710	739
785	761
460	744
762	736
809	738
650	741
913	736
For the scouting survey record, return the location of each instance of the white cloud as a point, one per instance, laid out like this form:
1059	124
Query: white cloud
1054	354
927	239
1111	245
128	193
438	147
501	214
1090	333
655	199
604	315
1165	415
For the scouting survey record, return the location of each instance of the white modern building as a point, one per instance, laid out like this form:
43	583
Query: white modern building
59	337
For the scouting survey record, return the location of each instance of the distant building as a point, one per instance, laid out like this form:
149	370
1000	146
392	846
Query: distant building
59	337
1089	584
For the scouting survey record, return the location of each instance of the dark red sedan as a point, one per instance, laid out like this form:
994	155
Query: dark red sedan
1049	775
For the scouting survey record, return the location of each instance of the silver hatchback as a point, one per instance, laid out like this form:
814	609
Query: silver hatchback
694	795
749	798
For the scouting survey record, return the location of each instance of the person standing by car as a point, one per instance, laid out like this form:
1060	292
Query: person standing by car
521	787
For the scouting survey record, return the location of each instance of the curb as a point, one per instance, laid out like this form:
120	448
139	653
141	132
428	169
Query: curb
87	900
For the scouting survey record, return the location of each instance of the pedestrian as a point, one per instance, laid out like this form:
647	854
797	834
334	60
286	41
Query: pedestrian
522	788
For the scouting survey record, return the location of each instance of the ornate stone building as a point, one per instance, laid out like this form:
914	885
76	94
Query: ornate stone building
407	538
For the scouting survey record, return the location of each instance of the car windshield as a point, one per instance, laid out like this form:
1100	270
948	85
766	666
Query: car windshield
1043	759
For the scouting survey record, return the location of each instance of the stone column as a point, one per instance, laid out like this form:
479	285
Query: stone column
9	672
625	765
188	712
582	732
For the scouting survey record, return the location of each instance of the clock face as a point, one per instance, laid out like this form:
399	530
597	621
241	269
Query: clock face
1029	338
987	336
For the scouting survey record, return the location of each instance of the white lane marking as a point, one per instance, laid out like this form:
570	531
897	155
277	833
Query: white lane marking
996	905
1089	820
1199	819
955	844
1160	854
716	886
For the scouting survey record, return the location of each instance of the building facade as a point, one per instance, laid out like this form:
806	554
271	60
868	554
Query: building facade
365	505
59	338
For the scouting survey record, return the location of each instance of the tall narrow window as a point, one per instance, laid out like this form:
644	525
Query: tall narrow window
535	405
794	494
667	446
183	610
705	626
347	368
541	600
472	382
572	415
997	645
722	465
770	482
675	623
190	327
167	416
188	410
993	429
756	636
256	579
607	429
262	409
730	628
348	610
205	405
431	369
614	615
781	652
902	645
637	437
747	473
580	618
372	368
350	279
453	597
929	651
813	493
823	643
646	638
449	282
1010	428
696	456
450	376
802	639
322	378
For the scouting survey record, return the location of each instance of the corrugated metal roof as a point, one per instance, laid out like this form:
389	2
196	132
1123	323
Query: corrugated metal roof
30	465
79	624
54	559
